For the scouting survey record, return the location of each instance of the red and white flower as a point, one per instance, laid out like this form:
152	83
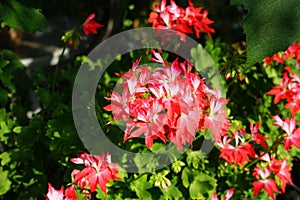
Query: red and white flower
98	171
169	102
190	20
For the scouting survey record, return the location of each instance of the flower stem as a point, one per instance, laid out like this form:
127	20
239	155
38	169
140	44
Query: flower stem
56	68
273	147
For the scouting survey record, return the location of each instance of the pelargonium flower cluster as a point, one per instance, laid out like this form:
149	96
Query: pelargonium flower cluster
189	20
293	52
170	102
288	89
236	149
266	176
271	174
98	171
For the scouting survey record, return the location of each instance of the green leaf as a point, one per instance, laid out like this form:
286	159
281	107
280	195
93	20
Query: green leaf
140	186
6	80
4	182
202	187
3	63
157	147
20	16
5	158
17	129
270	26
141	162
171	192
4	129
194	158
188	176
3	114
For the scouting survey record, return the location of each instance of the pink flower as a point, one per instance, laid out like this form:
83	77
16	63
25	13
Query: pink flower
55	194
264	181
98	171
229	194
292	133
90	25
69	194
217	118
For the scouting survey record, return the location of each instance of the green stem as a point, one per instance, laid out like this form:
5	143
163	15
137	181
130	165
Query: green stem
274	145
57	67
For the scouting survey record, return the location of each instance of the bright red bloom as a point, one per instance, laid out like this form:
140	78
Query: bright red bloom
91	25
187	21
293	133
265	182
70	193
293	52
238	154
256	137
282	171
289	89
229	194
280	168
280	91
99	170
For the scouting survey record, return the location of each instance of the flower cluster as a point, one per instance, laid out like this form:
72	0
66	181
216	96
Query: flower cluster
98	171
293	52
266	176
273	174
190	20
269	172
288	89
242	150
169	102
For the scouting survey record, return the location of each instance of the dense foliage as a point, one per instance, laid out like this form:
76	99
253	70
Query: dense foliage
254	127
